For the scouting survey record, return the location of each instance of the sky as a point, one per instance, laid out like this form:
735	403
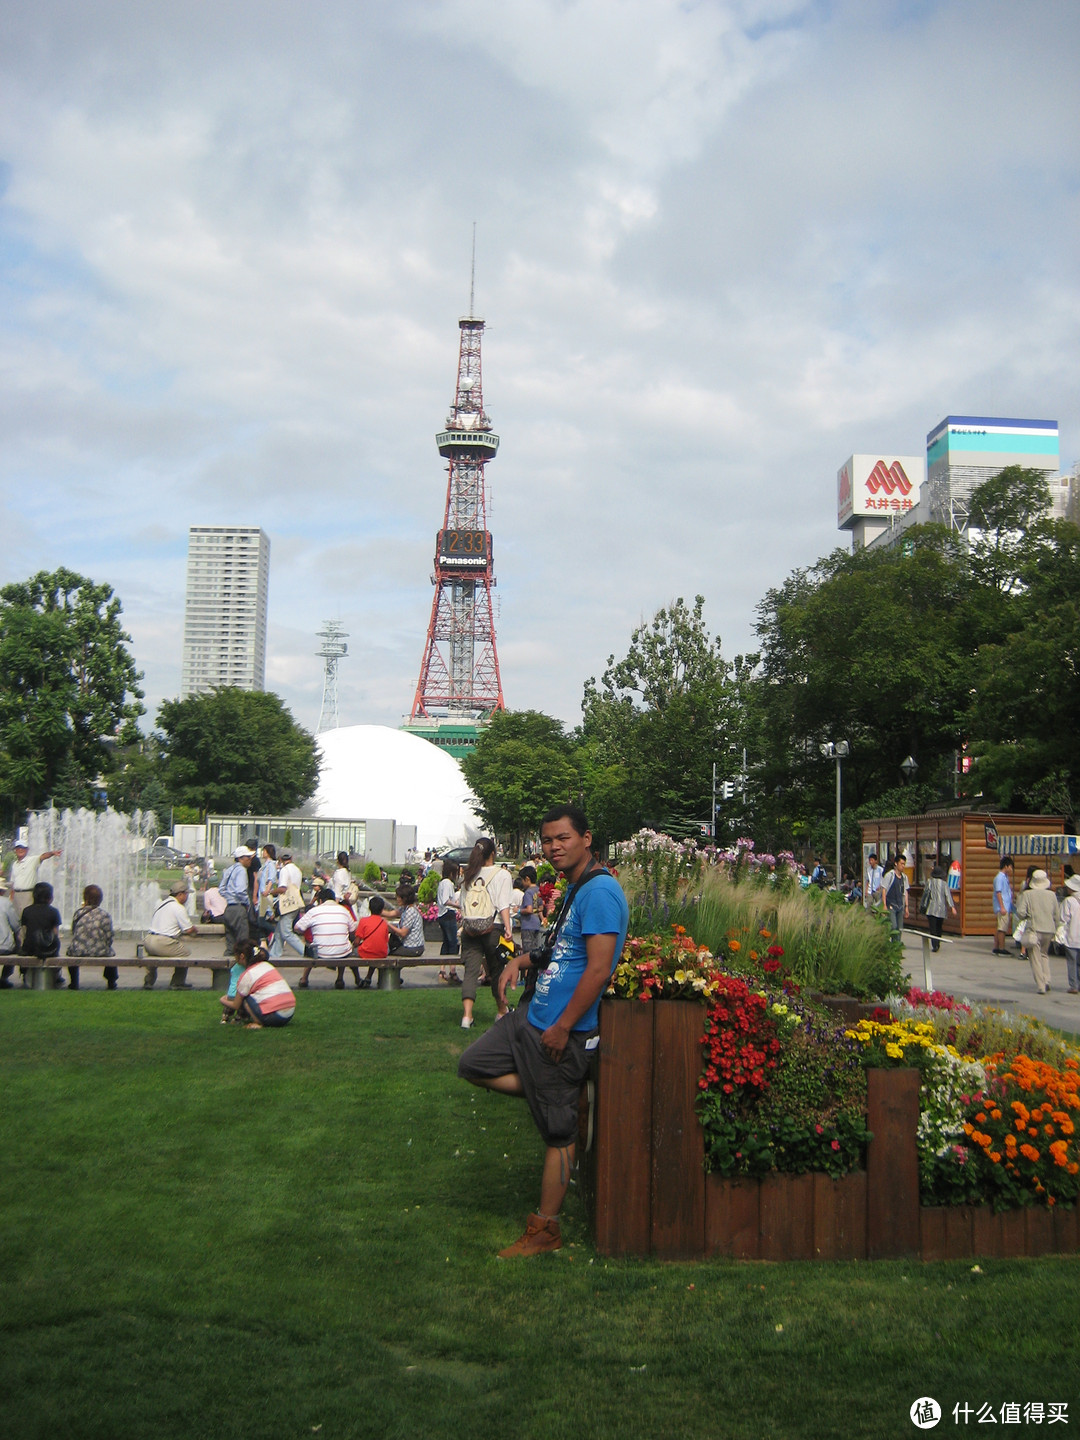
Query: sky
721	245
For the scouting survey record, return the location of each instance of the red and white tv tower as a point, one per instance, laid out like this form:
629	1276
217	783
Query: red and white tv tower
459	675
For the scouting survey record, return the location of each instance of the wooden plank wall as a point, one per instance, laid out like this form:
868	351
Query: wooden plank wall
651	1195
678	1141
622	1218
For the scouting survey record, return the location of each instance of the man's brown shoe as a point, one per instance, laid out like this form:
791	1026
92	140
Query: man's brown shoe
540	1235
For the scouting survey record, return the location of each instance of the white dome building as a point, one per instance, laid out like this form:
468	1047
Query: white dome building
371	772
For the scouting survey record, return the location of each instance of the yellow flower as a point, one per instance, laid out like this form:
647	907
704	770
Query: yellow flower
680	977
894	1051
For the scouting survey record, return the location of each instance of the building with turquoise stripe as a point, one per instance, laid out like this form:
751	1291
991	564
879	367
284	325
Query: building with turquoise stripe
964	450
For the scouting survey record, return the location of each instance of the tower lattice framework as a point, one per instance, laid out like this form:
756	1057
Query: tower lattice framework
459	674
332	649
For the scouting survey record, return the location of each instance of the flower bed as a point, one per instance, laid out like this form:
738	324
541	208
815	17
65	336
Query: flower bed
743	1123
994	1130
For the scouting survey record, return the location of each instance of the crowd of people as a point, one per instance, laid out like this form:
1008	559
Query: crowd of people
264	899
1040	920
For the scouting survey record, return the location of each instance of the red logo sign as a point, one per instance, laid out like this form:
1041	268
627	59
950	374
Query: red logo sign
888	478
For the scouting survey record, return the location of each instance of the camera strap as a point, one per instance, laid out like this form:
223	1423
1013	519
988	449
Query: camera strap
545	952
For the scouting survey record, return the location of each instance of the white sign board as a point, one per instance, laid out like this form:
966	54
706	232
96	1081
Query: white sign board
878	485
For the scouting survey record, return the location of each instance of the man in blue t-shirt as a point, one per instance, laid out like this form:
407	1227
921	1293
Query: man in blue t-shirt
542	1050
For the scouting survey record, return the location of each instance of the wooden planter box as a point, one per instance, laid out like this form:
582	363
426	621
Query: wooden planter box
649	1194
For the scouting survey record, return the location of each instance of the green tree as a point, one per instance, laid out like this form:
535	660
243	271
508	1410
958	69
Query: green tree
1025	684
68	687
521	766
136	781
655	724
236	752
1003	512
872	648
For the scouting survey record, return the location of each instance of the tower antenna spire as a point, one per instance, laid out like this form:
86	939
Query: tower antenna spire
472	277
332	649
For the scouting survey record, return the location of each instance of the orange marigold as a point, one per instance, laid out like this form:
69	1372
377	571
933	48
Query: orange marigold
1029	1153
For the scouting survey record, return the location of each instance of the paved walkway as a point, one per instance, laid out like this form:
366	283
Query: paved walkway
967	969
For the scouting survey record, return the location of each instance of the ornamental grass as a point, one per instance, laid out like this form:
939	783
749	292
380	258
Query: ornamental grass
830	946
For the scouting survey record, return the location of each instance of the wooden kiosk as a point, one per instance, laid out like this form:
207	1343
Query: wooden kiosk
969	843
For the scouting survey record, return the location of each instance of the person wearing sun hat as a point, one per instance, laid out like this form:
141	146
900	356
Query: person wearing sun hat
1038	907
165	938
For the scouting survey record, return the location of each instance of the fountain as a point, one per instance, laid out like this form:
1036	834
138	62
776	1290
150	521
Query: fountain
100	847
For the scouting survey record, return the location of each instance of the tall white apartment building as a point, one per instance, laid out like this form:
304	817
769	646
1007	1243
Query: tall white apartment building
228	578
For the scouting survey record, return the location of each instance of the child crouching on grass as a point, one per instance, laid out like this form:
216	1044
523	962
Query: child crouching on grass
263	997
236	969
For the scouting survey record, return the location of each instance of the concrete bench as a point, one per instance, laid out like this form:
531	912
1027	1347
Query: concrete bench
43	973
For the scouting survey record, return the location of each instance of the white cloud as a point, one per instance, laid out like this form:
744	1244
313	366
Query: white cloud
721	245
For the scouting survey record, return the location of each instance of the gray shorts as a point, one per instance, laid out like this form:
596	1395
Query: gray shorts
552	1089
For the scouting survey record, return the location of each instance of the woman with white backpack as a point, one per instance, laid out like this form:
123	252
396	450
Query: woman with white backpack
487	936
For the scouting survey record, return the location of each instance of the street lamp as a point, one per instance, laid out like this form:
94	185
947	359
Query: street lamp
909	767
837	750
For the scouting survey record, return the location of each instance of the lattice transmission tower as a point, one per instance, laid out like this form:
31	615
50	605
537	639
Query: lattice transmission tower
332	649
459	673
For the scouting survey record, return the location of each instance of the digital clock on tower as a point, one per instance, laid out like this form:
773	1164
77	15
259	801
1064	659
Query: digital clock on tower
463	549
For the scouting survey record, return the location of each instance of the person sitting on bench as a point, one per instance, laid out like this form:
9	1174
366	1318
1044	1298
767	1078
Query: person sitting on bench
329	927
372	939
92	936
41	931
163	940
407	937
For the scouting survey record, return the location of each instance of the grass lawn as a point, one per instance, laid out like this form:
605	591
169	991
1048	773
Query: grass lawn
211	1232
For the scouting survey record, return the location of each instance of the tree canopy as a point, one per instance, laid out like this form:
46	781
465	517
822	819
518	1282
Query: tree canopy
68	687
236	752
655	724
939	648
521	766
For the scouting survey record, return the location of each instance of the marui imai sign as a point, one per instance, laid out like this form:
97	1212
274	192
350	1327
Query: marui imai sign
878	485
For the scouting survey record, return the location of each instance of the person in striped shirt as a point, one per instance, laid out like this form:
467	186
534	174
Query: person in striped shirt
262	994
329	927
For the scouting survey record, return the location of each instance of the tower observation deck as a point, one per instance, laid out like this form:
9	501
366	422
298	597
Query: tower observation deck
459	680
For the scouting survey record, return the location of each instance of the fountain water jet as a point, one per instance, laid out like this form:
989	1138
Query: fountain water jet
100	847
